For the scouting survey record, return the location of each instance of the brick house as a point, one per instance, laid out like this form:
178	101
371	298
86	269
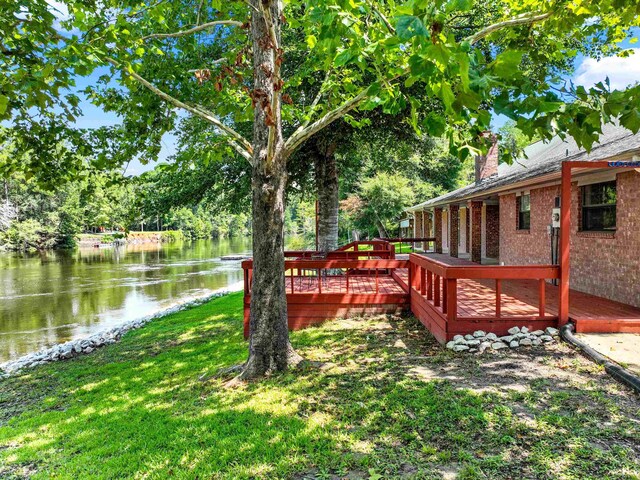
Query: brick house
505	217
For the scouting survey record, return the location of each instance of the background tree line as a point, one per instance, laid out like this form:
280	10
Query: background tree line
34	217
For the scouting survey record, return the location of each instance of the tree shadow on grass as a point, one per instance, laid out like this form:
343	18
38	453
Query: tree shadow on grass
139	409
532	414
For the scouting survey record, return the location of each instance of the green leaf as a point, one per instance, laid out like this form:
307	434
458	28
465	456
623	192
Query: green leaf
507	64
631	120
343	58
312	41
459	5
409	26
546	107
447	95
4	102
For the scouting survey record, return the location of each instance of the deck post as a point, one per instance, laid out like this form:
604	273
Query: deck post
565	232
436	290
423	282
412	267
498	297
445	300
429	285
541	297
452	299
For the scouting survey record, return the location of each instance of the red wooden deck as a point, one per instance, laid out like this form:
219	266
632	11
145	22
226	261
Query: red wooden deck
449	296
519	298
315	292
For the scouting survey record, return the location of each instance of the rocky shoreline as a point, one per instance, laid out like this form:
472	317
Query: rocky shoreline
84	346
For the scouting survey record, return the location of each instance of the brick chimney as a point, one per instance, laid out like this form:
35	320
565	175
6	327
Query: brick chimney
487	165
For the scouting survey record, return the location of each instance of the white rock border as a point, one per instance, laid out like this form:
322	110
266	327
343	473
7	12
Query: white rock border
83	346
480	341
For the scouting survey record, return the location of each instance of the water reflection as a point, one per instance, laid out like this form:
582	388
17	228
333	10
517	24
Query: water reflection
52	297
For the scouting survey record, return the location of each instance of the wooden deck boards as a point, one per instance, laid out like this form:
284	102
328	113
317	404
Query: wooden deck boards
520	297
358	284
313	299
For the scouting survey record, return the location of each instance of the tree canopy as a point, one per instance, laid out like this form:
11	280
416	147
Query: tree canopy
473	58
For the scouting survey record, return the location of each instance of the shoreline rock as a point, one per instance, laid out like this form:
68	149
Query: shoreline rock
518	337
84	346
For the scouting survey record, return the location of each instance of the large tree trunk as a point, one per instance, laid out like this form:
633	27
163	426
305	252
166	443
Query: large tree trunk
327	191
269	346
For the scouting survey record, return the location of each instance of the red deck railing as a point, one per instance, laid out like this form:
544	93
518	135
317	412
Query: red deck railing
434	295
352	281
318	289
306	276
376	245
430	241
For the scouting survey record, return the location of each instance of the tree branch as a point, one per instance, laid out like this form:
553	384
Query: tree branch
525	19
383	18
303	134
275	52
237	141
315	102
195	29
266	13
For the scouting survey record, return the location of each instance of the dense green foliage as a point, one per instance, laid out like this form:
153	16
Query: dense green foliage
470	59
45	219
42	218
153	406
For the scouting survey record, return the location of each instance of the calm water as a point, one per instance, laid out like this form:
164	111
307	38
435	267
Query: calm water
52	297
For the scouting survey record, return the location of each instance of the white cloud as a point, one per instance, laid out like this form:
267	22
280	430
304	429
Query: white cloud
61	14
59	9
622	71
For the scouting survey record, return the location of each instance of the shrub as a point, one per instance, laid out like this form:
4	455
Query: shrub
29	235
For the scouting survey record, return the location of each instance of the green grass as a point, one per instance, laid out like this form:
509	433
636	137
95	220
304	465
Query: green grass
390	403
406	247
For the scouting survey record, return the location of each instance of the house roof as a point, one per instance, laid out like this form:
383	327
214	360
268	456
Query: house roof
542	159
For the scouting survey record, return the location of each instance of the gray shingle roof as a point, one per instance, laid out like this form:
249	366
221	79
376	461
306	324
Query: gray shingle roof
545	158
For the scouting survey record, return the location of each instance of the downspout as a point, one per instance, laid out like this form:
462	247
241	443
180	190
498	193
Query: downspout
616	371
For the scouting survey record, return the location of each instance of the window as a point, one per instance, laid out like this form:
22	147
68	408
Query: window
599	207
524	212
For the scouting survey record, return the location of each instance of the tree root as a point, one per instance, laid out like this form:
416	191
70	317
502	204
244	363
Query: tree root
222	373
248	372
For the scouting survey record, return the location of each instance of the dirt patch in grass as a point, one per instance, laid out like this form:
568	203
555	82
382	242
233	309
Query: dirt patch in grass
550	413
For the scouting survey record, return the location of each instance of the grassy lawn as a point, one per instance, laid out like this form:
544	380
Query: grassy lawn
406	247
388	403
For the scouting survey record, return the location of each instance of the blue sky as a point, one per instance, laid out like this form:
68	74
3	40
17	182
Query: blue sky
94	117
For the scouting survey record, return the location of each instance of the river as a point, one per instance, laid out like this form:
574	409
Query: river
51	297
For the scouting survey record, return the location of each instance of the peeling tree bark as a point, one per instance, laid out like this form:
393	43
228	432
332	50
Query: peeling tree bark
269	346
